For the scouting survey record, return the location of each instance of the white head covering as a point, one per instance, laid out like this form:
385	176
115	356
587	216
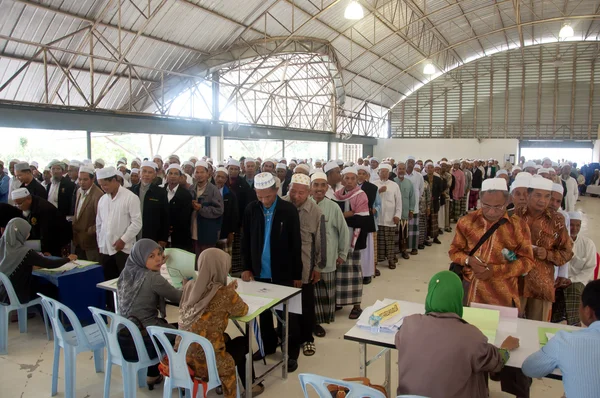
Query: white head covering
303	167
364	168
187	163
269	161
528	164
516	168
100	161
223	170
575	215
385	166
19	193
264	181
193	159
330	165
209	160
106	172
74	163
318	175
300	179
22	166
558	188
233	162
501	172
174	166
249	160
350	170
135	171
521	181
87	169
157	157
374	159
539	182
493	184
280	166
201	163
34	164
149	164
119	174
410	158
417	166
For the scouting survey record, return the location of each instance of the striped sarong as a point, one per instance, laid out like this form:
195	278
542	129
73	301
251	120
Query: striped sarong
349	280
401	238
572	301
448	207
463	204
236	254
386	243
413	232
368	256
325	298
456	205
432	225
422	228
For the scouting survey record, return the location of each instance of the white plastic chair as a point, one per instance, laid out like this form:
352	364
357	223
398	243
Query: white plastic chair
178	368
21	308
115	356
319	383
80	339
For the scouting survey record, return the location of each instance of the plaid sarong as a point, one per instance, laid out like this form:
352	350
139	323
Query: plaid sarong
413	232
374	244
349	281
386	243
432	225
572	300
401	237
422	228
325	298
236	254
448	207
456	205
463	204
222	244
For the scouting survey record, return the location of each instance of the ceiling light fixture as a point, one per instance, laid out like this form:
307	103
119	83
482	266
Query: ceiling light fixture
566	31
429	69
354	11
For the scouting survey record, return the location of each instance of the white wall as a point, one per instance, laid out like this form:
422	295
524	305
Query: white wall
401	148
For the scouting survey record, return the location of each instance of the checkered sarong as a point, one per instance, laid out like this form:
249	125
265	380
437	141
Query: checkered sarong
349	280
413	232
572	301
447	211
456	205
432	225
463	204
422	228
222	244
325	298
236	254
386	243
401	237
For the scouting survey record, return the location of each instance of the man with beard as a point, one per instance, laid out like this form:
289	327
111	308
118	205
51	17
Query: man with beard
436	187
61	189
414	232
25	176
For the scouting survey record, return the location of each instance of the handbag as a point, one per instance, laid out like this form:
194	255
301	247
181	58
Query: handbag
341	391
458	268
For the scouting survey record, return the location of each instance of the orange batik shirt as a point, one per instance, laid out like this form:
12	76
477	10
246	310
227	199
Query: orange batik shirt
547	231
503	288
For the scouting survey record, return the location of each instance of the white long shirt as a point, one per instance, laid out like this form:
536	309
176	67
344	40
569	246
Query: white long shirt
391	202
572	194
118	218
419	187
374	176
583	263
13	184
563	270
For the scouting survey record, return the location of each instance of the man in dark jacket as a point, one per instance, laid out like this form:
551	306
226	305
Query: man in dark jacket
154	206
272	253
231	218
241	190
436	185
180	210
24	174
61	189
476	186
367	256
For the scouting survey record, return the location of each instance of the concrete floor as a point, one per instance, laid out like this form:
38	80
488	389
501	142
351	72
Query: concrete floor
26	369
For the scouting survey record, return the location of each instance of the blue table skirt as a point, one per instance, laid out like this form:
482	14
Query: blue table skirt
77	289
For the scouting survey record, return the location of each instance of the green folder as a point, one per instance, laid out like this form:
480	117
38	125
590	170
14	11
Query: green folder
484	319
542	334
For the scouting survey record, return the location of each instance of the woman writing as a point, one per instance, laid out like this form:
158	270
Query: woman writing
141	294
441	355
206	306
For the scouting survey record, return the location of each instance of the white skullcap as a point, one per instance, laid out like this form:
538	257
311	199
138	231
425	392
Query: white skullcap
87	169
187	163
123	159
301	179
350	170
364	168
318	175
34	164
100	161
222	169
330	165
269	160
55	162
14	161
201	163
558	188
517	168
220	163
209	160
539	182
303	167
528	164
565	164
22	166
374	159
456	161
501	172
264	181
493	184
119	174
340	162
137	160
543	170
249	160
174	156
385	166
437	166
75	163
575	215
233	162
444	162
348	164
157	157
174	166
538	166
554	164
280	166
410	158
193	159
147	163
19	193
135	171
417	166
521	181
294	161
429	164
106	172
318	160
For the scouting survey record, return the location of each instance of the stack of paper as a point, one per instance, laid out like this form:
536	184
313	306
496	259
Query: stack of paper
255	303
390	325
180	264
545	334
485	320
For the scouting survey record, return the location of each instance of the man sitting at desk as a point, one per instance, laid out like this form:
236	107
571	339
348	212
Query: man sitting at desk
576	354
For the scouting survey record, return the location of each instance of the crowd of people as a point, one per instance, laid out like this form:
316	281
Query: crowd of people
322	226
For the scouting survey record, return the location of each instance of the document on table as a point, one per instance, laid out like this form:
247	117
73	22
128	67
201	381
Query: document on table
255	303
63	268
545	334
390	325
485	320
180	264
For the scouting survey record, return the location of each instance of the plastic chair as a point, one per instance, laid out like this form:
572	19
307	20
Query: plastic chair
115	356
80	339
21	308
178	368
319	383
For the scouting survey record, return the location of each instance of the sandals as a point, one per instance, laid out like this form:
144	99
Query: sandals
319	331
309	349
155	380
355	313
377	272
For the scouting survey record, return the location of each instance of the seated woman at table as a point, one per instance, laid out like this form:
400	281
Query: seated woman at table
206	305
17	262
141	294
439	354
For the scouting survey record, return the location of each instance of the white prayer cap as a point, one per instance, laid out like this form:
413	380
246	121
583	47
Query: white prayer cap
187	163
330	165
173	156
264	181
521	181
233	162
340	162
543	170
149	164
86	169
119	174
456	161
123	159
301	179
209	160
269	161
493	184
517	168
100	161
539	182
554	164
318	175
222	170
528	164
193	159
538	166
364	168
565	164
429	164
201	163
443	162
374	159
348	164
385	166
249	160
220	163
546	158
280	166
173	166
558	188
135	171
75	163
436	166
19	193
14	161
106	172
575	215
55	162
22	166
417	166
318	160
302	166
411	158
293	161
501	172
350	170
157	157
34	164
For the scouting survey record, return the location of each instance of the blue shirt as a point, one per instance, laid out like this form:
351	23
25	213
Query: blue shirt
4	184
265	264
577	355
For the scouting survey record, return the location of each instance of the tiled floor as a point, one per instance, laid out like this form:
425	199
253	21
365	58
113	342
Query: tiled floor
26	369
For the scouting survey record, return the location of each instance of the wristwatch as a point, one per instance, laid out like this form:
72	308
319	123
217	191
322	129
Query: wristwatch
467	261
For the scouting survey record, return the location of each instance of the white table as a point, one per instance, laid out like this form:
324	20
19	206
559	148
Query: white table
279	294
525	330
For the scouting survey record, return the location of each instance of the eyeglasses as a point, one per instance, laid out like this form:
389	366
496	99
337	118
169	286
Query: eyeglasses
495	208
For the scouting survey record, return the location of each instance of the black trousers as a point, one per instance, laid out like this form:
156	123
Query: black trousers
130	354
112	267
308	317
238	348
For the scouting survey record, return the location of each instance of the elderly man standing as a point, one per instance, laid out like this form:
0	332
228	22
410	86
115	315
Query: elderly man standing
409	203
250	171
25	176
436	188
464	202
244	195
374	163
84	220
4	184
389	217
572	192
208	209
338	244
61	189
314	252
334	178
476	250
416	178
231	216
458	191
180	209
13	182
368	257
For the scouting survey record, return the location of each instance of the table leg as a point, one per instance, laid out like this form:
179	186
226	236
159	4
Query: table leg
362	358
388	372
116	305
284	343
248	381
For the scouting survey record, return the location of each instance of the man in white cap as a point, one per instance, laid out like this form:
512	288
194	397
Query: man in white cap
84	218
416	178
489	277
458	192
281	171
73	171
14	182
338	244
34	170
572	192
4	184
503	174
490	170
374	163
334	178
314	253
302	169
529	167
272	253
436	188
409	202
61	189
389	217
99	163
180	210
268	166
118	222
518	192
154	206
231	217
25	176
208	209
368	256
134	176
250	171
552	245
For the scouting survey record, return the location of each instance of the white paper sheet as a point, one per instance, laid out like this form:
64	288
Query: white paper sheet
254	302
63	268
390	325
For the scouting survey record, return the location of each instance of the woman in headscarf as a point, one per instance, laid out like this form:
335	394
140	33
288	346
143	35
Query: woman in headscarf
442	356
206	306
17	262
141	294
